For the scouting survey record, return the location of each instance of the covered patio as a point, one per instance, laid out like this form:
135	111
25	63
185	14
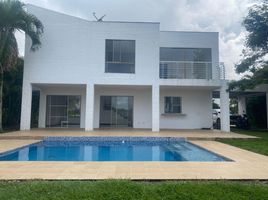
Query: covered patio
150	107
242	98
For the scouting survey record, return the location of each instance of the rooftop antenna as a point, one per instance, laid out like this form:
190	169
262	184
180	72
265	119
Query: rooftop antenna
98	19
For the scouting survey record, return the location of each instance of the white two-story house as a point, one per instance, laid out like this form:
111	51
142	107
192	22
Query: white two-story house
121	74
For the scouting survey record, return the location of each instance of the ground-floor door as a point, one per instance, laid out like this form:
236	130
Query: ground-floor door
116	111
63	111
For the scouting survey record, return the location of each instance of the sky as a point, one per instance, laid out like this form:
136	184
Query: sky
223	16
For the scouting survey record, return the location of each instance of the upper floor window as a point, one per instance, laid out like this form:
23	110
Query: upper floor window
172	104
185	54
185	63
120	56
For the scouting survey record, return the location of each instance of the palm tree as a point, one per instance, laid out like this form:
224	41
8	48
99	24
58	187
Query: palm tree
14	17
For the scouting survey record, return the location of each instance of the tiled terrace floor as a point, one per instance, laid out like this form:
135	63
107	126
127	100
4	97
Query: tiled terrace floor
7	145
189	134
246	165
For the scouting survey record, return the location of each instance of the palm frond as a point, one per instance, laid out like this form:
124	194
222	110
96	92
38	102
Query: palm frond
10	54
13	16
32	27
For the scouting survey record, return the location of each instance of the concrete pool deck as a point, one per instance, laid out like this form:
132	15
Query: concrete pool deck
189	134
246	165
8	145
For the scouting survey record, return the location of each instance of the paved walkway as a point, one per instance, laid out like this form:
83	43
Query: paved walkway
246	166
189	134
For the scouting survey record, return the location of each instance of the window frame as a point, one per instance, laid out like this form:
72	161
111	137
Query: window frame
115	61
171	109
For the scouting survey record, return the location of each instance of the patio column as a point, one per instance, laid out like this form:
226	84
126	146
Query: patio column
89	115
225	109
155	108
26	107
42	110
242	109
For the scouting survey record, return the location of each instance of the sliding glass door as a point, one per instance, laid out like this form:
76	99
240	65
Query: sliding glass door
63	111
116	111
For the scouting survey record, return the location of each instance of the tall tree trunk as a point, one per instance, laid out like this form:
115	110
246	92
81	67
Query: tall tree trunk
1	96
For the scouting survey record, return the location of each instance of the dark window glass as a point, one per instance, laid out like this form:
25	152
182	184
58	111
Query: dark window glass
109	50
116	51
63	111
172	104
188	55
120	56
116	111
58	100
107	103
171	54
128	51
185	54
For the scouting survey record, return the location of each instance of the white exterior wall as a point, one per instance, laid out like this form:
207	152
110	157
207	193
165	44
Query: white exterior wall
196	109
225	107
155	108
89	110
73	52
26	106
142	97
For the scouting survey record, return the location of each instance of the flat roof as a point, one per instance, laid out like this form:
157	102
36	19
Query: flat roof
28	4
129	22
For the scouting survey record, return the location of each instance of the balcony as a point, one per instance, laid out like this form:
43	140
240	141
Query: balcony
191	70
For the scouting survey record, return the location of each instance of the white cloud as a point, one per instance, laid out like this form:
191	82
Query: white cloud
223	16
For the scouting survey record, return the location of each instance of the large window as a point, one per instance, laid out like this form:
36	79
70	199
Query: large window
185	63
120	56
185	54
116	111
63	111
172	104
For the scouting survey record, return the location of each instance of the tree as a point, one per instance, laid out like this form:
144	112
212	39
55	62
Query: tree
12	89
256	112
14	17
254	62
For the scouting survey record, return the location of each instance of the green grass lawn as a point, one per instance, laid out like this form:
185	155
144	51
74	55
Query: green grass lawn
256	145
116	190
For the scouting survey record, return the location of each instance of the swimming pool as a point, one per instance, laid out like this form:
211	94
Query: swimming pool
112	149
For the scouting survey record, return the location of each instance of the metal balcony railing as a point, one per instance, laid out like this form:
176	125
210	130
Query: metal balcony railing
221	70
191	70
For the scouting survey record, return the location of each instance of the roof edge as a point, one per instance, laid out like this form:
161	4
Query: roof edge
216	32
79	18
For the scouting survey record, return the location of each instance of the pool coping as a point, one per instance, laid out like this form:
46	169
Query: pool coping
39	134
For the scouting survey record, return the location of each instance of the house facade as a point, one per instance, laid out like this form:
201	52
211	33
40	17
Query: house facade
122	74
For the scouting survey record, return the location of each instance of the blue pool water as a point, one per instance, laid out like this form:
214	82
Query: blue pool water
111	149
